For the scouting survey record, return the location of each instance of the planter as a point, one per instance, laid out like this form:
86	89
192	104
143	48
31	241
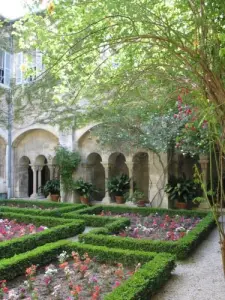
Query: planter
141	203
84	200
119	199
181	205
54	197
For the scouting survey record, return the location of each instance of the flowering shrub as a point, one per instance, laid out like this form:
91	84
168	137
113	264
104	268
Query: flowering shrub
193	138
156	227
10	229
79	278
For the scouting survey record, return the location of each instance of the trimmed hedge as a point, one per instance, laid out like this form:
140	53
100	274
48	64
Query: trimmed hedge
155	271
145	211
59	229
57	211
181	248
94	221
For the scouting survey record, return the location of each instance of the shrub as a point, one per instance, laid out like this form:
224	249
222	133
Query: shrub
59	229
181	248
155	270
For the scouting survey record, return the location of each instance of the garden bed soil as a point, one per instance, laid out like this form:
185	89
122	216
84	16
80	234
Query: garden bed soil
81	278
156	226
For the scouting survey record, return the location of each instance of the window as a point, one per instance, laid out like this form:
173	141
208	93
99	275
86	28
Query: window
28	66
5	68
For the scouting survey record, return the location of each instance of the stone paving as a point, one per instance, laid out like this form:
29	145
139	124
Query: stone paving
198	278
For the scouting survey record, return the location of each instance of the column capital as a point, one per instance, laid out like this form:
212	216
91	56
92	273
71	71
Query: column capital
34	167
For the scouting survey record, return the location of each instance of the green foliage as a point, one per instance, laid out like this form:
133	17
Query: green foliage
181	248
68	162
136	196
31	204
108	50
42	255
144	211
60	228
181	189
52	186
155	268
118	185
57	211
83	188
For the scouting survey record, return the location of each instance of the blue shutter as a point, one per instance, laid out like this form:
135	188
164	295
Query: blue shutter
19	62
7	68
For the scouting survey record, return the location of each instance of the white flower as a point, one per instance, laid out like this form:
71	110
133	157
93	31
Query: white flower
51	270
12	295
62	257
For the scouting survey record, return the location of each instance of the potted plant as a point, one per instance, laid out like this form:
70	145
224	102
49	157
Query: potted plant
137	198
118	186
84	189
181	191
52	187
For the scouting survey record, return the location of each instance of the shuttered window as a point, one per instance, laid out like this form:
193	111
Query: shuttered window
28	67
5	67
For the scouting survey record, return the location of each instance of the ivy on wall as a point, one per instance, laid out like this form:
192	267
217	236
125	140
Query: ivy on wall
68	162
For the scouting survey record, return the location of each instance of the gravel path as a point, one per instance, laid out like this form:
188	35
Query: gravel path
86	230
198	278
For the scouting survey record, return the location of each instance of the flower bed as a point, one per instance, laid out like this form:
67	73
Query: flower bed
10	229
156	226
81	278
57	229
93	275
38	208
181	247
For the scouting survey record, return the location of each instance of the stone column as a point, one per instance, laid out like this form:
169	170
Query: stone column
51	171
204	160
34	169
39	176
130	166
157	168
106	199
56	174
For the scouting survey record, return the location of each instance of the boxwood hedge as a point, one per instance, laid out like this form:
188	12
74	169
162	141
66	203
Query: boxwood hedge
181	248
58	229
28	207
155	270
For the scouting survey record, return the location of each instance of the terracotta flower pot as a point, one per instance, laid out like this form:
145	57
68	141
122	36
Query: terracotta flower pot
141	203
54	197
84	200
181	205
119	199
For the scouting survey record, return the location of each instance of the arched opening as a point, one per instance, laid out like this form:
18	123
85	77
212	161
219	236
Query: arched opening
117	163
37	144
96	175
25	177
43	174
141	173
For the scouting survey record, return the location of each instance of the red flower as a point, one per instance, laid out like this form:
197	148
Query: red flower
63	265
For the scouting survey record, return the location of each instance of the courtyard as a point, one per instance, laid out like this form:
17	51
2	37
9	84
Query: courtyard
112	150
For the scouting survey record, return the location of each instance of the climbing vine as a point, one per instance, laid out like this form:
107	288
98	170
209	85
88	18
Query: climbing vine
68	162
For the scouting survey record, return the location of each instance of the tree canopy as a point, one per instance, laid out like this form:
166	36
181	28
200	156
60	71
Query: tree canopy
117	56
